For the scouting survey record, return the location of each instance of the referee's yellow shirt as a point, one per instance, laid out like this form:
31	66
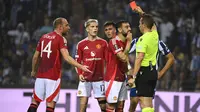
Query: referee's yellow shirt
148	44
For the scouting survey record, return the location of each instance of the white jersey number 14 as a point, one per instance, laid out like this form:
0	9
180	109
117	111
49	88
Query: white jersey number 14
47	49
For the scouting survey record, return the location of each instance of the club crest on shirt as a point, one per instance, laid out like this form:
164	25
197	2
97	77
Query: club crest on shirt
141	39
98	46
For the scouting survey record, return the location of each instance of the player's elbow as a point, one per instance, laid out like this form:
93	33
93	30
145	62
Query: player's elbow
171	58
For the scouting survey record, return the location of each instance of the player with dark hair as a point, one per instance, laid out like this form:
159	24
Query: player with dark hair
110	29
115	81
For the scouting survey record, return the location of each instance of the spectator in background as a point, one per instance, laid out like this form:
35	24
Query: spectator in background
166	29
196	39
46	28
195	68
20	35
16	7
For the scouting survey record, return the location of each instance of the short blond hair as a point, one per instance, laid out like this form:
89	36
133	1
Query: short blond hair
87	23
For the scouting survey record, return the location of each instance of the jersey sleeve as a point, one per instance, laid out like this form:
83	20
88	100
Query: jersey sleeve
114	46
133	45
79	58
163	48
62	43
141	45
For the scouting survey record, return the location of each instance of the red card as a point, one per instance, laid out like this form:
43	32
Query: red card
133	5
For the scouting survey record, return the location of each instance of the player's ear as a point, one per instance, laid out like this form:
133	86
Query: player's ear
60	26
119	29
87	29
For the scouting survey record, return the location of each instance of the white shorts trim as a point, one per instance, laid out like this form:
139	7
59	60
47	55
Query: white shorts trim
85	88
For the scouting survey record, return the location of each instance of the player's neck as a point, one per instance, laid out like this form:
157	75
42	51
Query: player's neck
92	38
58	32
122	38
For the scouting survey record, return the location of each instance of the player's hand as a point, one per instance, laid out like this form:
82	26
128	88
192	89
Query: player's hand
130	82
33	74
160	74
129	36
81	78
85	68
139	10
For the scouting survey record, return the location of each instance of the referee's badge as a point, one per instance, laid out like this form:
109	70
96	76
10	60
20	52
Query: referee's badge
141	39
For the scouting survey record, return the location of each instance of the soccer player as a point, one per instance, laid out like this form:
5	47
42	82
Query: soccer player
91	51
170	60
115	82
46	63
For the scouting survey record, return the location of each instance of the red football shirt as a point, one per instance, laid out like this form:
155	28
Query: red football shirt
49	47
115	65
92	54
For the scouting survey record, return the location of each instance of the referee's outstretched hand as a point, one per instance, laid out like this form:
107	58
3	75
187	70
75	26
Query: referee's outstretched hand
139	10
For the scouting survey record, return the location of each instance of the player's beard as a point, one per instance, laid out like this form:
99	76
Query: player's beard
65	33
124	34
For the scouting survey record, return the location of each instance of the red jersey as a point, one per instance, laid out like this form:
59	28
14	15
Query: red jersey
49	47
92	54
115	65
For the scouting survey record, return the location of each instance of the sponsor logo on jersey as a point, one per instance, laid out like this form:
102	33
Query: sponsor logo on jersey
92	53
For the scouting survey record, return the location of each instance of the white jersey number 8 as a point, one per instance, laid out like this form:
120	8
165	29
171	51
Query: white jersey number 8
47	49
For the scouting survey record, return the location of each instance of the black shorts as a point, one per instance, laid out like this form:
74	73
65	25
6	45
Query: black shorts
146	81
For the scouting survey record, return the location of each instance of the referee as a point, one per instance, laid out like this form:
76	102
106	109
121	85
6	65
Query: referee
163	49
145	64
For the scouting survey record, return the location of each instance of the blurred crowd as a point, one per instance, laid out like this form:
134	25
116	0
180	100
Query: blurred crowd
23	22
